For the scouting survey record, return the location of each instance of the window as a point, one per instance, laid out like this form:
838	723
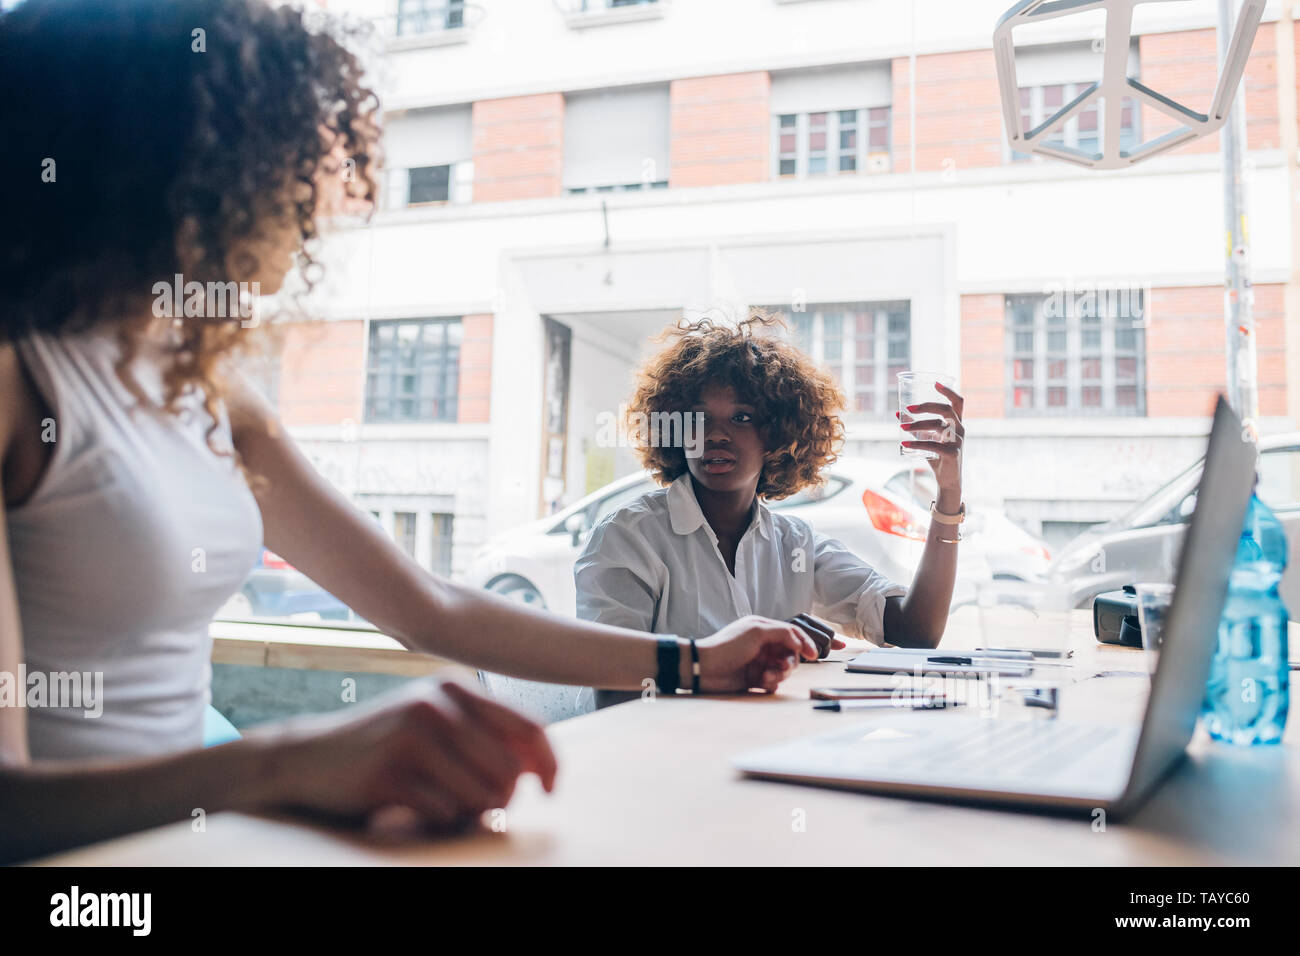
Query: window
1076	353
864	345
428	184
842	141
1083	130
428	156
440	544
616	140
424	16
412	374
1051	75
404	531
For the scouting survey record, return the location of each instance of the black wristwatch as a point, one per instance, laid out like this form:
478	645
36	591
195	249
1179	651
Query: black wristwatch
670	665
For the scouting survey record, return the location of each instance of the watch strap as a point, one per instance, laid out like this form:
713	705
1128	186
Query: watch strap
943	518
669	656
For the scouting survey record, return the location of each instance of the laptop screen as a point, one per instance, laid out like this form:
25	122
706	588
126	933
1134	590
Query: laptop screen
1201	587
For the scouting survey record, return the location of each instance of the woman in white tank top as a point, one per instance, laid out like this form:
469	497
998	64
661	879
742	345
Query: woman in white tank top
125	442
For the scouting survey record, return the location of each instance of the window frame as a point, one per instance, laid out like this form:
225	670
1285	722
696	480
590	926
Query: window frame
1074	353
833	153
434	16
844	366
447	372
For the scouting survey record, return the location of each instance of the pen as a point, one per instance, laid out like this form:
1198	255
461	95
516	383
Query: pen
949	660
930	703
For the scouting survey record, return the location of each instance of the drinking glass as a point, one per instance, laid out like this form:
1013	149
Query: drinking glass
915	388
1033	616
1153	602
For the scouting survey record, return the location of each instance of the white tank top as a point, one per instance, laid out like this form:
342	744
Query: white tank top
135	534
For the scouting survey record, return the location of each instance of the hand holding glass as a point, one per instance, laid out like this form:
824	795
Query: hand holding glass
917	388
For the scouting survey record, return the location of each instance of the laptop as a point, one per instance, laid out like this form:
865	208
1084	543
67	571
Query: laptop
1058	764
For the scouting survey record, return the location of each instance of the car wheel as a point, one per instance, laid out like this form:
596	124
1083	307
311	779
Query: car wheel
518	589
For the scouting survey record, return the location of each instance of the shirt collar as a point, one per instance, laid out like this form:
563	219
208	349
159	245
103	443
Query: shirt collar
686	516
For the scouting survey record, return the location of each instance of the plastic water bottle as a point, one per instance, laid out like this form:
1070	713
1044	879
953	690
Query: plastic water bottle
1247	696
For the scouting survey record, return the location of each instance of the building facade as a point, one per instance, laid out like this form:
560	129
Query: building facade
564	178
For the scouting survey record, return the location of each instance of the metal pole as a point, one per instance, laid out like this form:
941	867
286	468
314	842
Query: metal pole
1238	300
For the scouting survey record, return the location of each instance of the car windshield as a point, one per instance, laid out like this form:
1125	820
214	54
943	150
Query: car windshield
915	486
1156	507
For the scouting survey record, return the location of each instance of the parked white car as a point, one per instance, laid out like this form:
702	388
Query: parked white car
880	509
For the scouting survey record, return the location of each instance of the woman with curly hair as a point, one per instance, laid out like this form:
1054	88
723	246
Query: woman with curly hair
152	141
705	550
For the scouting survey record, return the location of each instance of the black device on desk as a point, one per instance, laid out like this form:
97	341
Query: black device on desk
1115	617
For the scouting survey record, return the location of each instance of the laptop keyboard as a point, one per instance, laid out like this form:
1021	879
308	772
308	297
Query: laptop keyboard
1013	748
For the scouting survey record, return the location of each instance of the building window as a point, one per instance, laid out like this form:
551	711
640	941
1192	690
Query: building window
440	544
404	531
617	140
425	16
428	184
833	141
1083	130
1076	353
428	156
413	370
864	345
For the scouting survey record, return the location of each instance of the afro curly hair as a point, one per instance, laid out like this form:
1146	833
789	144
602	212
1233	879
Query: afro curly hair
796	403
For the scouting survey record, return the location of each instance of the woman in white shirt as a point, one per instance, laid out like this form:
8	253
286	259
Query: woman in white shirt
705	550
133	157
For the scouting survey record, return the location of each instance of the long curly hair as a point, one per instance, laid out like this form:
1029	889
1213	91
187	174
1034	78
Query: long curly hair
150	138
796	403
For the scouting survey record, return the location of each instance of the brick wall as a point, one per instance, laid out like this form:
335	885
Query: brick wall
721	130
958	113
518	147
474	395
983	354
1185	67
322	372
1185	350
1185	365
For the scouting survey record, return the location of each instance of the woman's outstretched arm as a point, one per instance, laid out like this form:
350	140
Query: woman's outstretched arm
342	549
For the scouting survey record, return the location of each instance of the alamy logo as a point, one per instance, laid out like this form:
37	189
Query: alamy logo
82	690
655	430
1090	300
212	300
102	909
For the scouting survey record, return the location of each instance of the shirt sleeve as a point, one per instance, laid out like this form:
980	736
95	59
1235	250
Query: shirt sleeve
615	577
848	592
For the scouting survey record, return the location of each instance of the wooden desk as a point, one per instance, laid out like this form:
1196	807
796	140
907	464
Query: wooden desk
651	783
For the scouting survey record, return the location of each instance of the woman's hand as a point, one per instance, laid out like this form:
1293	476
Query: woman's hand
444	752
947	467
752	652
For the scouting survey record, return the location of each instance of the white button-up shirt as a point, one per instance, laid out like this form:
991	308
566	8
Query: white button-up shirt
655	565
